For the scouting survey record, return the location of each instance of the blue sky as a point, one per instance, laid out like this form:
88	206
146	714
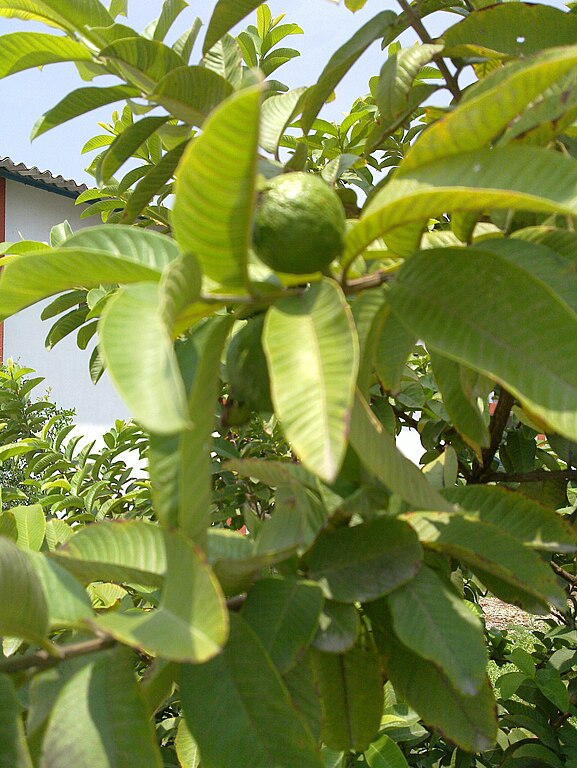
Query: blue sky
27	95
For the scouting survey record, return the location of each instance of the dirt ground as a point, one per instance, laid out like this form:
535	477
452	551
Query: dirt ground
502	615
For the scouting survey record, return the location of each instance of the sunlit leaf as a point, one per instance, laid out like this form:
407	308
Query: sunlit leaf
191	93
313	334
25	50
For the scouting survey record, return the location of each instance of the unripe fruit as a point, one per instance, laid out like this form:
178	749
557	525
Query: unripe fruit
299	224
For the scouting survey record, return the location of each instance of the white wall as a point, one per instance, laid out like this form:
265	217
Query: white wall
30	214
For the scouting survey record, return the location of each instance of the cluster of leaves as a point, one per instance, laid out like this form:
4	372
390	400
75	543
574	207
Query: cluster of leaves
272	648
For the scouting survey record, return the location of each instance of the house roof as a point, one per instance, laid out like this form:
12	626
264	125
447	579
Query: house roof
40	179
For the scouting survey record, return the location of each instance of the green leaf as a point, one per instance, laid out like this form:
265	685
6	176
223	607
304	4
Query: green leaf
14	752
511	571
185	746
25	50
487	111
131	551
366	561
191	93
80	102
225	15
284	615
352	696
276	114
369	312
180	466
534	360
515	514
377	450
469	721
395	345
23	608
31	526
237	561
143	62
72	15
179	286
152	183
65	325
341	62
339	626
514	30
110	254
470	181
191	624
68	603
185	43
212	215
313	400
544	262
171	10
460	401
551	685
100	720
302	688
136	345
396	79
434	623
240	692
225	59
385	753
125	145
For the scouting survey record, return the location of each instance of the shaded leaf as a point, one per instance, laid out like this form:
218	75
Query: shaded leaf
99	719
240	692
68	603
378	452
339	626
23	608
225	15
284	614
352	695
14	752
433	622
532	359
366	561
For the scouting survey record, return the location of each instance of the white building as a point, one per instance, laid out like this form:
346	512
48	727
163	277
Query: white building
31	203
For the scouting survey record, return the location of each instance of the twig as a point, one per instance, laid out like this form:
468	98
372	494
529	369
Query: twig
496	428
565	575
529	477
43	659
419	28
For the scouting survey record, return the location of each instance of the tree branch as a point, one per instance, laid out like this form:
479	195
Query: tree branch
44	660
419	28
529	477
565	575
496	428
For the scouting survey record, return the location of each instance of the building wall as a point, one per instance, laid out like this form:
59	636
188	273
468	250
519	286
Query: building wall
30	214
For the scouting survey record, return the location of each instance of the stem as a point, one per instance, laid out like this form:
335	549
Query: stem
529	477
43	659
496	428
419	28
565	575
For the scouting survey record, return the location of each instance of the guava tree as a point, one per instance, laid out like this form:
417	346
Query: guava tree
453	281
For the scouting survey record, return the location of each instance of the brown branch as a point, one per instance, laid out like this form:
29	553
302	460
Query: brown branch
565	575
497	426
418	26
43	659
529	477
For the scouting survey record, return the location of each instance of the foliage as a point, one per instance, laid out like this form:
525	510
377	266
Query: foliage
266	581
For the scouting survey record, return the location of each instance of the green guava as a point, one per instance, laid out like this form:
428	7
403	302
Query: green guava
299	224
246	368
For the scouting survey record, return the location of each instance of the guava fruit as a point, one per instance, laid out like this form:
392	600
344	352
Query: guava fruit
246	368
299	224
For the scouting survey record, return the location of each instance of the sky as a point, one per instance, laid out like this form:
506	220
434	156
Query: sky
27	95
